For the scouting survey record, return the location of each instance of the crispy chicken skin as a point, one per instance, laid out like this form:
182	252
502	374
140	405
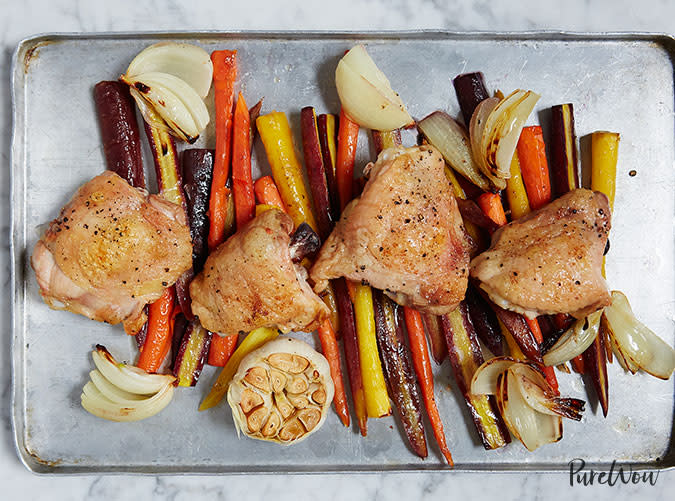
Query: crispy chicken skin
112	250
250	281
550	261
404	235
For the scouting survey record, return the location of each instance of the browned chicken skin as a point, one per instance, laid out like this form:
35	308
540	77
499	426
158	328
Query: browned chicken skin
250	282
551	260
112	250
404	235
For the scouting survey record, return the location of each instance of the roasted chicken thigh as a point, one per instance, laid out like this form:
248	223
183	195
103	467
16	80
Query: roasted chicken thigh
251	281
550	261
404	235
112	250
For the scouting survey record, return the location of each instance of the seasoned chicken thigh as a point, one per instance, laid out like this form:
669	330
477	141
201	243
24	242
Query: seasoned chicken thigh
112	250
550	261
250	281
404	235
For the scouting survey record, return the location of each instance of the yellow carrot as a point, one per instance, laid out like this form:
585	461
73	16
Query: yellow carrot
254	340
275	134
515	350
374	386
515	191
604	153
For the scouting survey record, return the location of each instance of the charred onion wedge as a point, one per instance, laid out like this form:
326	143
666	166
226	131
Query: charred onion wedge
281	392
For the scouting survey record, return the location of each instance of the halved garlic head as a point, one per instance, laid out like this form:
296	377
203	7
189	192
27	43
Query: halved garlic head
281	392
120	392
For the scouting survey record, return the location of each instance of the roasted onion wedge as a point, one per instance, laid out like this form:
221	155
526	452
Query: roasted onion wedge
531	427
635	345
190	63
120	392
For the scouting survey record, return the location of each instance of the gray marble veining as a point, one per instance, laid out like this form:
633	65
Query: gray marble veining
20	19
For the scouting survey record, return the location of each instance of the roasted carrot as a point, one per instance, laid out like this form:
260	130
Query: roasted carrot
491	204
331	351
160	326
515	191
224	75
348	134
425	376
533	165
221	349
266	192
276	136
549	372
374	386
242	182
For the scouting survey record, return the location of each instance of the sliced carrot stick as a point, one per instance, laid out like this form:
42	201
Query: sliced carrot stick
266	192
224	75
331	351
242	182
425	376
221	349
533	166
160	327
491	204
348	133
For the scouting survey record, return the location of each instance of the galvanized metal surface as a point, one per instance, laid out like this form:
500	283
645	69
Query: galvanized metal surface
617	82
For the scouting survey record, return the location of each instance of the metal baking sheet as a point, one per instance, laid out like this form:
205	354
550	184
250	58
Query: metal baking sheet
619	82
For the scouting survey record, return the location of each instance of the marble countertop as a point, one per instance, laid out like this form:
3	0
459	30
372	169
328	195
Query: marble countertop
22	19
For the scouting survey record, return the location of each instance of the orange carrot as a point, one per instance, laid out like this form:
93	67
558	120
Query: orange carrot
221	349
425	376
533	166
348	133
331	351
160	330
242	182
267	193
224	75
491	205
549	372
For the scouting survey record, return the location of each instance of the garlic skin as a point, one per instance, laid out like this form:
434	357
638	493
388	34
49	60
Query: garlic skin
281	392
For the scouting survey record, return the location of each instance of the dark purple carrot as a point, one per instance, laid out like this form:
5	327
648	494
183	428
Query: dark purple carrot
484	321
398	371
470	89
564	164
197	170
119	131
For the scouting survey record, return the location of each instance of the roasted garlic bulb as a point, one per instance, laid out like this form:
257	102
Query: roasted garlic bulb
281	392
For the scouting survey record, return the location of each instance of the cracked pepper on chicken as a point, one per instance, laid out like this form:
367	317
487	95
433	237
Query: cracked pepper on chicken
550	261
404	235
112	250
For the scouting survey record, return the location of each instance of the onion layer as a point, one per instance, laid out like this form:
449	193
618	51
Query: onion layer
450	138
635	345
575	340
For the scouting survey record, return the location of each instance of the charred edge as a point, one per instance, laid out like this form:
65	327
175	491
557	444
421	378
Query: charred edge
304	242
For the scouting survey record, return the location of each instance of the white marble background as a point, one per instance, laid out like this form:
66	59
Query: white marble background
19	19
